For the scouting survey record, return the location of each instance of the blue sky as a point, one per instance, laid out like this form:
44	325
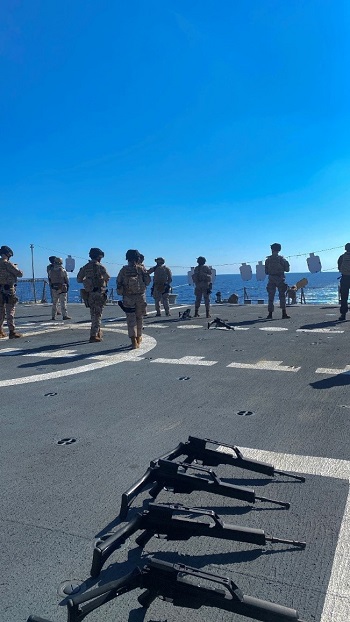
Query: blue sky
178	127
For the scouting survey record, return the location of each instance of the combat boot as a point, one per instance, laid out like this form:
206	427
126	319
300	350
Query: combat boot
14	335
207	314
66	317
2	334
95	339
158	314
269	316
196	314
284	315
134	343
139	339
99	334
342	317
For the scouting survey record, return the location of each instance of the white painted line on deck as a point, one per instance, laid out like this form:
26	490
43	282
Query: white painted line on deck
54	354
333	371
274	329
337	598
318	330
239	327
119	357
156	325
266	365
186	360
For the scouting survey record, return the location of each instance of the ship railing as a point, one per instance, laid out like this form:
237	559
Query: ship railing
32	290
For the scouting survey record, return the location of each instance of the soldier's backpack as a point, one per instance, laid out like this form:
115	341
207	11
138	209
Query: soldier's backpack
134	284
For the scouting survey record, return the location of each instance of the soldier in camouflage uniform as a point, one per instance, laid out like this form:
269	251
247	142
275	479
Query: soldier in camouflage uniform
9	274
161	285
344	268
132	281
95	278
59	285
202	280
275	267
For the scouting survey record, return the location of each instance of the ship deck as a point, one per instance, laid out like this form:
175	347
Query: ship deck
279	390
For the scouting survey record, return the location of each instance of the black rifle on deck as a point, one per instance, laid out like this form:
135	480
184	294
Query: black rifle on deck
197	449
37	619
183	586
173	476
166	520
220	323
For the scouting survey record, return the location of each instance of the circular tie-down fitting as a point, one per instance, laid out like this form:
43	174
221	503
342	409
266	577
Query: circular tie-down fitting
66	441
245	413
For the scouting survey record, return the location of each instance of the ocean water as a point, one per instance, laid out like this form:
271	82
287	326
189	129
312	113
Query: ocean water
322	288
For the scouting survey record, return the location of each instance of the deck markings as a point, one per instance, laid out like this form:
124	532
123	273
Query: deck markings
332	371
54	354
274	329
319	330
155	326
148	343
265	365
186	360
337	597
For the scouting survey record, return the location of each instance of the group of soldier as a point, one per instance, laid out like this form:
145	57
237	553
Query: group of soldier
132	282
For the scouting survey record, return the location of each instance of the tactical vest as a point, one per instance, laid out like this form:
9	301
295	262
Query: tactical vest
57	275
161	275
94	277
133	282
276	265
6	278
345	265
202	275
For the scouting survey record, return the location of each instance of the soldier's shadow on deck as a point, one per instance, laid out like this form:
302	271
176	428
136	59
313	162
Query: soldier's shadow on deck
329	323
340	380
59	360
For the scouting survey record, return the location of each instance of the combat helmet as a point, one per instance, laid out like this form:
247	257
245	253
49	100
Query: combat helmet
160	259
201	260
52	259
276	247
6	250
132	255
347	247
95	253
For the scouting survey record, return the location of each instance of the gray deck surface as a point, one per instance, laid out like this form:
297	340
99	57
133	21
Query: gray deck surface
125	408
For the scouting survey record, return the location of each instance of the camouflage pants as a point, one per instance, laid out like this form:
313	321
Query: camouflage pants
97	301
276	282
135	320
58	298
8	310
202	290
161	298
344	293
